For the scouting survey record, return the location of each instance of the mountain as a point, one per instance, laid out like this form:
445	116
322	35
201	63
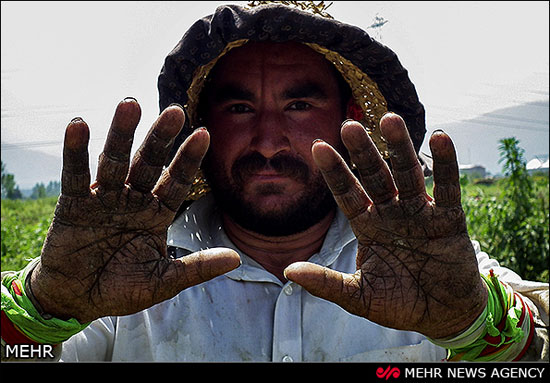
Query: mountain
30	166
477	140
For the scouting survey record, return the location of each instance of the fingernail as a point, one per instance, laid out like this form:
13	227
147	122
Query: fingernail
316	141
347	120
76	119
438	131
129	98
176	104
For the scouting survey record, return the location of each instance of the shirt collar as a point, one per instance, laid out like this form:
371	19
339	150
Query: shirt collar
200	227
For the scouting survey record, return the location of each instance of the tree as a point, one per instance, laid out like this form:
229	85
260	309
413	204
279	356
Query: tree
526	216
10	190
53	189
38	191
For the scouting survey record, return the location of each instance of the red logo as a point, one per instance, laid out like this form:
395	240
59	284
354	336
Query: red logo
388	372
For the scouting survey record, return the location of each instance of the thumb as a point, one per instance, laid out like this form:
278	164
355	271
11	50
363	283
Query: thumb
340	288
199	267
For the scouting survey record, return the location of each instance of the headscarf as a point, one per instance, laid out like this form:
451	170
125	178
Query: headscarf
378	81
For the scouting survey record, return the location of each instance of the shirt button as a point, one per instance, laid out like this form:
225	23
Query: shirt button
288	290
287	358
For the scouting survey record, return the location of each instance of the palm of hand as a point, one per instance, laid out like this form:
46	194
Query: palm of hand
409	275
119	262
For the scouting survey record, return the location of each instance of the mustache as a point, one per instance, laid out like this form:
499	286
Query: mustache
284	164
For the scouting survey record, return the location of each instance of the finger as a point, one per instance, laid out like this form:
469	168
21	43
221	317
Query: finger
176	180
114	161
445	170
374	172
150	158
345	187
406	169
75	175
199	267
340	288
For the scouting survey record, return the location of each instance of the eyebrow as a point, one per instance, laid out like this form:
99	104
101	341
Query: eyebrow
233	92
308	89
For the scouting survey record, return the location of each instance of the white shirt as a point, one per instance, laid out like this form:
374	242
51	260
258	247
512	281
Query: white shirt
249	315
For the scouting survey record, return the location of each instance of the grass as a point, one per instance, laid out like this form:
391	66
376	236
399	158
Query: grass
25	224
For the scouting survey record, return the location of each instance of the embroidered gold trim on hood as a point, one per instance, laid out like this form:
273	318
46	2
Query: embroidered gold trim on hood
365	92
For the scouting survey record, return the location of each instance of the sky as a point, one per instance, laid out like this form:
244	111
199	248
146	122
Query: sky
60	60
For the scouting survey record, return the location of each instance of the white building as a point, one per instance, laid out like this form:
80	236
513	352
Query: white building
473	170
538	164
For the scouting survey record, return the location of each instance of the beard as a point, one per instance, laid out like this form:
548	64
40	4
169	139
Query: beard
307	209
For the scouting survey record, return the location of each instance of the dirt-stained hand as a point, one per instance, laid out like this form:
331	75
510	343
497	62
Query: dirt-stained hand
416	267
105	253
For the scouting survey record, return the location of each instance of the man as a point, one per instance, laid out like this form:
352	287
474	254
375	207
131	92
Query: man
253	267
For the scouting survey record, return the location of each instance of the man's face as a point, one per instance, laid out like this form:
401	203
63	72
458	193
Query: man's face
265	105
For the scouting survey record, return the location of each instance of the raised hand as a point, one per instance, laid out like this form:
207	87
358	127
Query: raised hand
105	253
416	267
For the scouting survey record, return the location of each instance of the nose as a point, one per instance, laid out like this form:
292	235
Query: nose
270	135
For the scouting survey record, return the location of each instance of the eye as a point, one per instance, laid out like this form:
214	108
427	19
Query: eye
240	108
299	106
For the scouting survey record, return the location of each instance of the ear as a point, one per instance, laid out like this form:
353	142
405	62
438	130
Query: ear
354	111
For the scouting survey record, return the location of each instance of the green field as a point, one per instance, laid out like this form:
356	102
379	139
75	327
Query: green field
24	227
510	219
510	224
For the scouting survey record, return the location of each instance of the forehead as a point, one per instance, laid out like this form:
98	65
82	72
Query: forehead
259	57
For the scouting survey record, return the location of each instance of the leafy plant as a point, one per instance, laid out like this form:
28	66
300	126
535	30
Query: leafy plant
512	226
